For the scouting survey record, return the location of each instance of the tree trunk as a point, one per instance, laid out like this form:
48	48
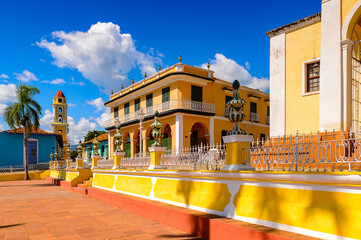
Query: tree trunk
26	155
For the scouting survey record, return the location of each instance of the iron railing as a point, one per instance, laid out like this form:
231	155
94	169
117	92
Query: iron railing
20	168
312	152
163	107
136	162
254	117
204	157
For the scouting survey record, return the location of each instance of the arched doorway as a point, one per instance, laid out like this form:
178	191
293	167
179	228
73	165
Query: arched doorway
150	138
167	137
136	139
198	134
356	76
126	141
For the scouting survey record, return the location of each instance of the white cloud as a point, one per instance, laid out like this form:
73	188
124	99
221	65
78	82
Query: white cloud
77	130
229	70
104	117
3	75
98	103
46	120
102	54
247	65
7	93
71	105
26	76
78	83
2	128
2	108
55	81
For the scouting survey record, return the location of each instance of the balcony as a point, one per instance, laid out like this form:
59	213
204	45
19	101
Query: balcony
164	107
254	117
268	121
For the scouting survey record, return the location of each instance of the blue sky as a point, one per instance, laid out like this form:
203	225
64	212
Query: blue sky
88	48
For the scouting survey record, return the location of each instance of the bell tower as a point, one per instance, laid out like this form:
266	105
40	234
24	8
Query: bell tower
60	116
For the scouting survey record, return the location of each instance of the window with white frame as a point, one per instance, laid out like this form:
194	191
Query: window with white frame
312	83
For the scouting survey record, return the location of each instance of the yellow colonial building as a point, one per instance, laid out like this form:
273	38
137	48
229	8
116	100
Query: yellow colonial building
191	103
315	71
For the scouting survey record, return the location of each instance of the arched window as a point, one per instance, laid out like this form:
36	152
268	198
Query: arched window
60	118
60	109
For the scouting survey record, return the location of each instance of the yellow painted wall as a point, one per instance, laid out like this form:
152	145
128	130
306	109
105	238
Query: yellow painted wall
302	112
207	195
331	211
36	175
346	6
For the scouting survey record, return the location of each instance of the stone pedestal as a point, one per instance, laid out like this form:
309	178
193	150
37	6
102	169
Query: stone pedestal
117	156
61	164
79	162
56	164
95	159
155	155
68	161
235	147
51	164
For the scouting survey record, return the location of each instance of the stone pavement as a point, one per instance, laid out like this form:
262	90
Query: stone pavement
37	210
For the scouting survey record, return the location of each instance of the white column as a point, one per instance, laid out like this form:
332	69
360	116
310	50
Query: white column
109	145
179	131
211	130
347	84
277	85
331	91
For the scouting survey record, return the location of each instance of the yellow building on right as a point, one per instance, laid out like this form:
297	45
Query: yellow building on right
315	71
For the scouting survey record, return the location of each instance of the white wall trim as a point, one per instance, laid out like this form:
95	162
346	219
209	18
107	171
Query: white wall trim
330	98
211	130
348	19
179	131
277	85
304	77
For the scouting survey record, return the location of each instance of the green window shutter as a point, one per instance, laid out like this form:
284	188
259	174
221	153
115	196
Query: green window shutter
116	114
165	94
253	107
149	100
136	104
196	93
126	108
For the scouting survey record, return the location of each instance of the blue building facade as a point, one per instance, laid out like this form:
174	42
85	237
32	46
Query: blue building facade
103	148
40	144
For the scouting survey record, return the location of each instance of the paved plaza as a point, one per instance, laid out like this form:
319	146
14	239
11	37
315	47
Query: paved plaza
37	210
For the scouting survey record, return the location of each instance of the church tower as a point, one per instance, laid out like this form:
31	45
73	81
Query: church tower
60	116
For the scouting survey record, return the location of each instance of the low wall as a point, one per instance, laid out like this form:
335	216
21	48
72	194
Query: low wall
72	175
318	205
33	175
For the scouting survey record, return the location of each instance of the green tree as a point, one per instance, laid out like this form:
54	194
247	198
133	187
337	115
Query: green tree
91	134
73	155
24	113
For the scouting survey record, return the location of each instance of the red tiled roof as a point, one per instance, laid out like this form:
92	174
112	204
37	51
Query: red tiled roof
33	131
100	138
59	94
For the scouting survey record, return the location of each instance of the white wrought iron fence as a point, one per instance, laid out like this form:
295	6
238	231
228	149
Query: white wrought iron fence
20	168
312	152
136	162
204	157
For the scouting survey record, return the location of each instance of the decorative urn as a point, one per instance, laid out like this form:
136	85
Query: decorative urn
51	156
235	108
156	130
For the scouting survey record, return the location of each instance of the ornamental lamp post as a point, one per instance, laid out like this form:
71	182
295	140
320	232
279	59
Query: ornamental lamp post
118	136
237	141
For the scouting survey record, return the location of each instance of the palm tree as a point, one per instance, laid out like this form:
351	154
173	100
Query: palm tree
24	113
